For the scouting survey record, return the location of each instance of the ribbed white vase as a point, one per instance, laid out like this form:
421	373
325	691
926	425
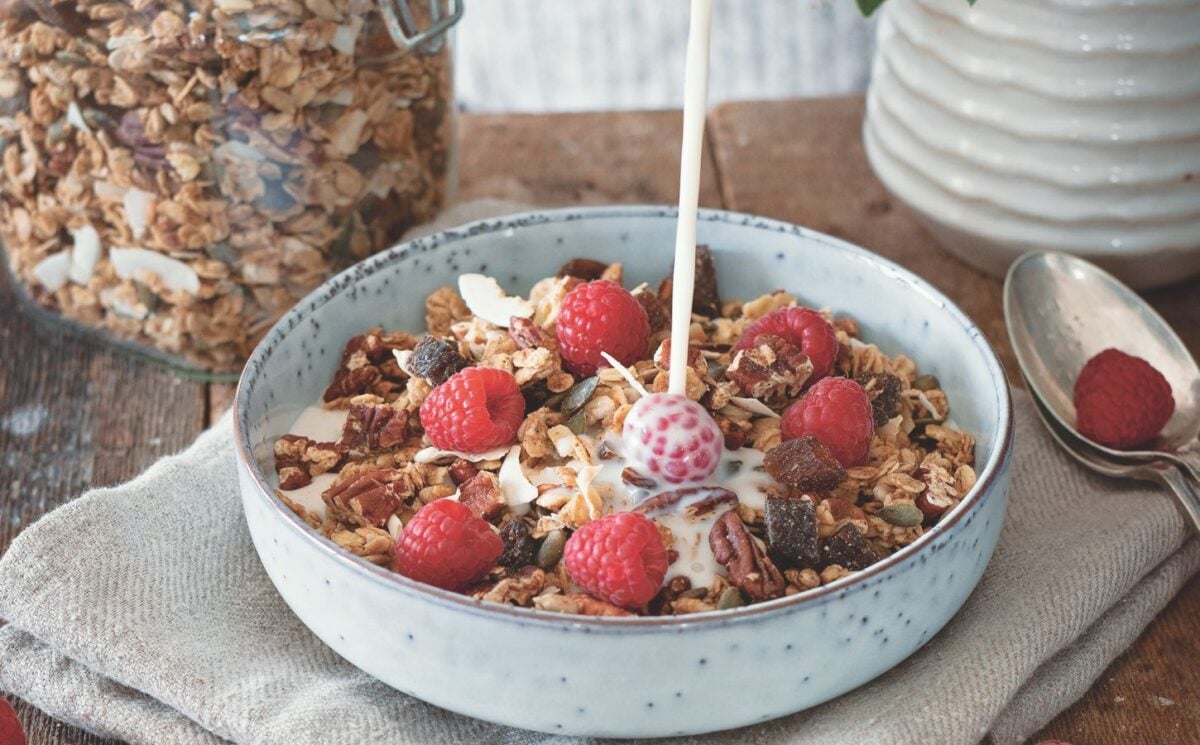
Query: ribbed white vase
1069	125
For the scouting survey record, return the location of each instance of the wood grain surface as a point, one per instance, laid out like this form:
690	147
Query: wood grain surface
74	415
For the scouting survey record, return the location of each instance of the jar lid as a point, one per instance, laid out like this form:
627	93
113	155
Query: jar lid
405	29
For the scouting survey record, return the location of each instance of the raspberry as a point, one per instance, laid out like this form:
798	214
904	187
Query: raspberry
619	558
447	546
668	436
1121	401
804	328
597	317
11	732
837	412
475	410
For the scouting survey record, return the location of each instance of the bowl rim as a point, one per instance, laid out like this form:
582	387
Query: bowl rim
992	471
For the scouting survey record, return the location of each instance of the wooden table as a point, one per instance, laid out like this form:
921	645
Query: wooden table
75	415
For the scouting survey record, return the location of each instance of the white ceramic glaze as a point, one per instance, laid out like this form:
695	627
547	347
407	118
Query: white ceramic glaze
1067	125
625	677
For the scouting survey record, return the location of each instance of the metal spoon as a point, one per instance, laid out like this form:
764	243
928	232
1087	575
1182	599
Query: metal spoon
1163	473
1060	311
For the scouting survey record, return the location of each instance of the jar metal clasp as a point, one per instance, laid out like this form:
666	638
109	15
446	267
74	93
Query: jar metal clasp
407	32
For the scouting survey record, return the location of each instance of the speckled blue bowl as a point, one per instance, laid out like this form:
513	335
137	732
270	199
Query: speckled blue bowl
634	676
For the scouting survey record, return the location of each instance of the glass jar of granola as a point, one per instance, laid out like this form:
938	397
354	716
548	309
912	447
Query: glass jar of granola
178	173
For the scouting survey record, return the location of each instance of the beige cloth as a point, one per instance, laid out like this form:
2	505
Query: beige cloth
141	612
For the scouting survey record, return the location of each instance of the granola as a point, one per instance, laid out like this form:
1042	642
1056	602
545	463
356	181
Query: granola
779	516
180	173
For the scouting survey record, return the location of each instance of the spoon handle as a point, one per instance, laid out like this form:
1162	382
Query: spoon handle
1189	456
1187	492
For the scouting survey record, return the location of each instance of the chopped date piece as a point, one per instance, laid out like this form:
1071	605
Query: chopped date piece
584	269
435	359
520	547
706	300
373	428
792	532
771	369
481	493
656	310
369	498
749	569
884	390
804	463
848	548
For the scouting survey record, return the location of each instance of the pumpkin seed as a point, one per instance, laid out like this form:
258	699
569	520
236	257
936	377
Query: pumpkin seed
579	394
731	597
578	422
902	514
927	383
551	550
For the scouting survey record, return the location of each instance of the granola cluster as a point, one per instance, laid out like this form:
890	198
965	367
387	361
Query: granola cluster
812	522
180	172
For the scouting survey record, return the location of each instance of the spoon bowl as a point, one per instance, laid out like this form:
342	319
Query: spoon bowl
1061	311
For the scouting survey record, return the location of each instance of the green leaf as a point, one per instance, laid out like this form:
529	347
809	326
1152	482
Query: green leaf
867	7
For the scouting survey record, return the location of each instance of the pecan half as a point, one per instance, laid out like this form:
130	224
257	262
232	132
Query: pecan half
481	493
369	498
804	463
525	333
773	368
637	480
350	383
296	453
748	567
372	428
695	360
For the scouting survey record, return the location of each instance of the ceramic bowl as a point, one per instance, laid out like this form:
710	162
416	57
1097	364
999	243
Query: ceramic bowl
625	677
1047	125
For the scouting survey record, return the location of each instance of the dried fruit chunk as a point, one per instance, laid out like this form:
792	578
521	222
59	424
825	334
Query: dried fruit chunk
792	532
371	428
804	463
706	300
584	269
656	311
520	547
369	498
883	389
462	471
848	548
748	567
481	493
435	359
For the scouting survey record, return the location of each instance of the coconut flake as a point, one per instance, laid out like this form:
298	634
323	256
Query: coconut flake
487	300
402	357
889	429
625	373
111	298
432	454
109	191
933	412
587	474
237	149
514	485
137	210
75	118
84	254
394	526
752	405
345	37
52	271
177	276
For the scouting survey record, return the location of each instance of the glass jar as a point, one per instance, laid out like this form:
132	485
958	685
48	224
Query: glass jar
178	173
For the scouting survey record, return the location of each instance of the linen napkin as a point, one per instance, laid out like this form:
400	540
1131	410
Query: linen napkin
141	612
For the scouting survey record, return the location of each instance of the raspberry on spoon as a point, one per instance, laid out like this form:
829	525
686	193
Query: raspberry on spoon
475	410
669	436
1121	401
